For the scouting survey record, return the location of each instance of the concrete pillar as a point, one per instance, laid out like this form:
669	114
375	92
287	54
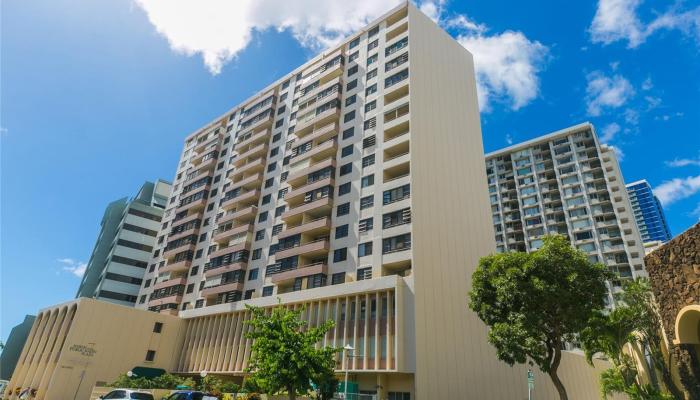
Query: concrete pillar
381	387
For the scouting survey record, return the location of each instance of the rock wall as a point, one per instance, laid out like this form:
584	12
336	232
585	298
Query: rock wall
674	272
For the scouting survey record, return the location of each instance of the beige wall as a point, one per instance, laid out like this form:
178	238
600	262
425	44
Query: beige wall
453	358
115	339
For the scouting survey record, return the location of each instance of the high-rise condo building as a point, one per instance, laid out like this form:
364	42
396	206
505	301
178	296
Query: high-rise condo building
567	183
124	245
648	212
353	187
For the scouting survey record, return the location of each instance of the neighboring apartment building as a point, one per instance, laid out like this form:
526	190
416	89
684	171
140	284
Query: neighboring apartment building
568	183
13	347
355	190
124	246
648	212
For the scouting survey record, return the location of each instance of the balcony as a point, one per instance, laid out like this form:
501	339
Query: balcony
253	166
397	256
178	235
264	122
193	205
251	182
317	208
242	215
257	151
253	139
221	288
396	135
311	249
296	196
177	266
208	273
320	119
170	282
320	134
298	173
222	251
301	271
222	235
318	152
312	94
313	227
176	298
168	254
242	200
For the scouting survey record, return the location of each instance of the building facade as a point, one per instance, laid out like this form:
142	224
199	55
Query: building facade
124	246
84	343
13	347
355	190
648	212
566	183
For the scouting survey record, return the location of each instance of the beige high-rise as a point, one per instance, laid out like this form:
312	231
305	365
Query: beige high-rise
355	190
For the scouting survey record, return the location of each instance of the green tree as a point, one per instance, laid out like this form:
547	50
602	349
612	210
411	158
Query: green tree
535	302
632	321
326	384
284	352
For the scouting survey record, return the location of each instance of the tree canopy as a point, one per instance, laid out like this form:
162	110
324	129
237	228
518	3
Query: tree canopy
285	355
535	302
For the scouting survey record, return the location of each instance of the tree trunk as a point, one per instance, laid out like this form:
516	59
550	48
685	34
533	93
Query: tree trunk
555	378
291	393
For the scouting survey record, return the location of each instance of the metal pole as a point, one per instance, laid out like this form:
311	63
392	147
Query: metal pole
529	386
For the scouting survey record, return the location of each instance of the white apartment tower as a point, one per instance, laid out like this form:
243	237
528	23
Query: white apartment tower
353	187
567	183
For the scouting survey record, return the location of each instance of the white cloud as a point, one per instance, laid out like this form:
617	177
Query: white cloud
647	84
684	162
606	92
509	139
618	20
76	268
609	131
219	29
652	102
677	189
507	66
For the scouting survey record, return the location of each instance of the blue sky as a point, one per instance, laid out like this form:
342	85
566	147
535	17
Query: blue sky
97	96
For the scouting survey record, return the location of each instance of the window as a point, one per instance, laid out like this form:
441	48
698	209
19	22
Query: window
266	199
347	150
344	189
142	299
366	225
396	78
340	254
260	235
249	294
267	291
253	274
371	74
371	106
353	56
364	273
349	116
262	217
366	202
194	270
351	85
341	231
370	90
257	254
279	123
399	396
199	303
367	181
372	59
345	169
279	211
354	43
147	284
338	278
271	167
396	218
276	137
364	249
373	44
373	31
350	100
352	70
396	243
396	194
369	141
276	229
158	327
150	355
269	182
348	133
343	209
190	288
367	161
282	193
274	151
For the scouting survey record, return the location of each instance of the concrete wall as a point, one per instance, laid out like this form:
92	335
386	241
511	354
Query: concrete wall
13	347
75	345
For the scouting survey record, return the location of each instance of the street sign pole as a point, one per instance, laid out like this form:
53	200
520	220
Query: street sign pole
530	383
